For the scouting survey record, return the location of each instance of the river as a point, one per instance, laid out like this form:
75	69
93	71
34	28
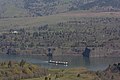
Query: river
93	64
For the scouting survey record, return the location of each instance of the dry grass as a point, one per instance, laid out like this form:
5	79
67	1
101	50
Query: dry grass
69	74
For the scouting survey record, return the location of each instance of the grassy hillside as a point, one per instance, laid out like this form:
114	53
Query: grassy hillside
69	74
11	70
8	23
111	73
20	70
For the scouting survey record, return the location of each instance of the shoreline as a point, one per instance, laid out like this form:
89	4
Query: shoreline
61	55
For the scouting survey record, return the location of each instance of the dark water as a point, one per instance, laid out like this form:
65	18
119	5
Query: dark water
74	61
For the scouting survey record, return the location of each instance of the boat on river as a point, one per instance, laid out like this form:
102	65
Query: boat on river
58	62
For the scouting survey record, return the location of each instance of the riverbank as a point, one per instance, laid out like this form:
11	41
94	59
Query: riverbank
93	63
111	73
12	70
68	74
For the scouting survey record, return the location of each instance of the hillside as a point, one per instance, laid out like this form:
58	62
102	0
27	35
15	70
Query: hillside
111	73
12	8
28	8
49	7
102	5
12	70
66	33
62	25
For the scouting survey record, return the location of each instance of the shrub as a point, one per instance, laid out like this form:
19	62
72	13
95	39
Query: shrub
16	71
27	71
22	63
9	64
46	78
49	78
78	75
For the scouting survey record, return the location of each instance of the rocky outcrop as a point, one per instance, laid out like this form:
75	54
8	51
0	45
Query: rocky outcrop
115	68
111	73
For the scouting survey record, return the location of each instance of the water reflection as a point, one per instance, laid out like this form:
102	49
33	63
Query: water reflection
50	58
86	61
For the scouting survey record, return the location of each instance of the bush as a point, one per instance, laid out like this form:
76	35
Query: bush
16	71
9	64
27	71
78	75
22	63
49	78
46	78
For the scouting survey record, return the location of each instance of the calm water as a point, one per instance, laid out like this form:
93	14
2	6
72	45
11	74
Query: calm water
74	61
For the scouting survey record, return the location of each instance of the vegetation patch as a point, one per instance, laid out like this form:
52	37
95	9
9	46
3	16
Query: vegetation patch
20	70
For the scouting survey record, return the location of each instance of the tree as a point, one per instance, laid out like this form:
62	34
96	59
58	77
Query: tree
112	77
49	78
22	63
9	64
78	75
46	78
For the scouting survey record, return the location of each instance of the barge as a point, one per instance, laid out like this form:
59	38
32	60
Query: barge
58	62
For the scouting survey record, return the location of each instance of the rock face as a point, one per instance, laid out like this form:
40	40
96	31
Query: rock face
111	73
115	68
103	5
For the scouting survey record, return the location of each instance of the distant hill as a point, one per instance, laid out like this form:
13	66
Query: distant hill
102	5
49	7
26	8
12	8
